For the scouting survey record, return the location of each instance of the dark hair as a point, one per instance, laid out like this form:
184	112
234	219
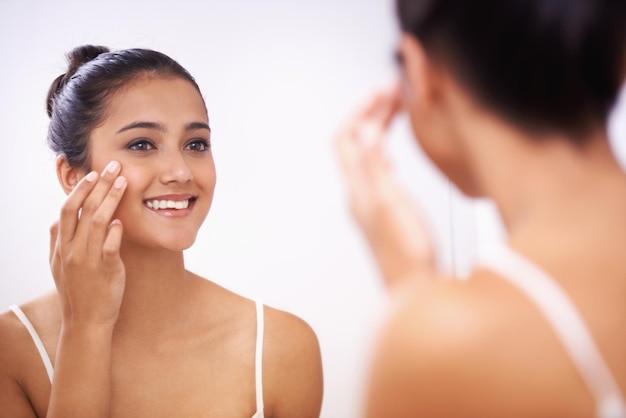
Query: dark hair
545	65
77	100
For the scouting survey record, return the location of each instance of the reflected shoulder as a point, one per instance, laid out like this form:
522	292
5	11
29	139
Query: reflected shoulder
473	348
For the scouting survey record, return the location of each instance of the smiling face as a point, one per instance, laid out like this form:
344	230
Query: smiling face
157	129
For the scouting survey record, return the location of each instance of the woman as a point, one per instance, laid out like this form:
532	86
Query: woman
129	331
510	100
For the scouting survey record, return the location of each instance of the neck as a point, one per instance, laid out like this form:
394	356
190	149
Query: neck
542	183
563	205
546	180
156	284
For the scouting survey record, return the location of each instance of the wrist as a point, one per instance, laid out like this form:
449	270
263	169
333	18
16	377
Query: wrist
86	328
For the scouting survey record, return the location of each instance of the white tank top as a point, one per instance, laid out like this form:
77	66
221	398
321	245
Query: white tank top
258	360
567	324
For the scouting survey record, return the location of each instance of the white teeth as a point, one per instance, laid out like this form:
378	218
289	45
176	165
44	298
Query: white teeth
167	204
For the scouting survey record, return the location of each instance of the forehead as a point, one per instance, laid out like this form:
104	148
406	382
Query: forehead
156	98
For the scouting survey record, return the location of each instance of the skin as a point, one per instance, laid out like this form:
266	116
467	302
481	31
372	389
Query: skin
478	347
131	332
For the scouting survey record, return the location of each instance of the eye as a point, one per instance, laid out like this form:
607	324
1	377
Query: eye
198	145
141	145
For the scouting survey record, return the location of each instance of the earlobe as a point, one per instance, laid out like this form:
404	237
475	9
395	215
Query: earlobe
68	176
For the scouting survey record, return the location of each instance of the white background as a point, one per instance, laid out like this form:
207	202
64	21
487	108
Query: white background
278	78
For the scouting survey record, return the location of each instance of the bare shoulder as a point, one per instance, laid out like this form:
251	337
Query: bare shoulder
23	389
473	348
288	331
41	313
292	369
13	398
13	337
292	364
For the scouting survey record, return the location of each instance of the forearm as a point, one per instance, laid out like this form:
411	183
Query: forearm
82	379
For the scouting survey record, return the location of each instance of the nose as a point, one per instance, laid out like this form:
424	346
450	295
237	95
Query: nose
174	168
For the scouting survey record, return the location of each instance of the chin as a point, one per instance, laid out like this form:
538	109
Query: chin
470	191
175	243
466	186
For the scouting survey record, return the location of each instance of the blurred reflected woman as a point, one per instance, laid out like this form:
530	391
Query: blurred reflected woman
129	331
510	100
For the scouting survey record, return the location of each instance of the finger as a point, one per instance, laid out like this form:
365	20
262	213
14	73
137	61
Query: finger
54	233
113	241
367	126
68	219
100	223
374	131
92	203
345	135
376	118
389	107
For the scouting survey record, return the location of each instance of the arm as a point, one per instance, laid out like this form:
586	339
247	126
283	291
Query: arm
382	209
89	276
14	401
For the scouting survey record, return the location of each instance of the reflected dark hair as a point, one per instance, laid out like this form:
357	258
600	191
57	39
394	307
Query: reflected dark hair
548	66
77	100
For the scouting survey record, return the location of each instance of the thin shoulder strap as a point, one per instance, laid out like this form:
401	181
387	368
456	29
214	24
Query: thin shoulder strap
258	361
36	339
568	325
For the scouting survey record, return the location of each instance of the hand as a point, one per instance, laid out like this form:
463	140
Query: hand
381	207
85	250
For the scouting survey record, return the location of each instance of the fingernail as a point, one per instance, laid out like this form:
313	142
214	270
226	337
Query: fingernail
113	167
91	177
119	182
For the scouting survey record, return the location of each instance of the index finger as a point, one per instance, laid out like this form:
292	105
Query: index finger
378	111
70	210
366	128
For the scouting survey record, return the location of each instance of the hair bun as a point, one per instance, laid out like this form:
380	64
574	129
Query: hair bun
82	54
75	58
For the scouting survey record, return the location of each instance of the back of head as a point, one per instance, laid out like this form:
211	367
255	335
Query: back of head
547	66
77	100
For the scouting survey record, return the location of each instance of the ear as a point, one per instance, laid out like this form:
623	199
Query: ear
68	176
420	72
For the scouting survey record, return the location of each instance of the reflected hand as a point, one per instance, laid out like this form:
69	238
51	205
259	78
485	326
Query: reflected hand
389	220
85	250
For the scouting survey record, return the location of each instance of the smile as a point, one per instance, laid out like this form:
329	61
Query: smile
168	204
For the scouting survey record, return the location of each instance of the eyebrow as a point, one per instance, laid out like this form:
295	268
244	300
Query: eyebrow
159	127
197	125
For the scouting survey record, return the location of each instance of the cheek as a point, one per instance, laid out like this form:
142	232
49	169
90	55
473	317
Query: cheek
436	144
206	175
129	205
134	175
135	186
446	154
98	164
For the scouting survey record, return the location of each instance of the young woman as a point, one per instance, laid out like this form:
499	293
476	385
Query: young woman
129	331
510	100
